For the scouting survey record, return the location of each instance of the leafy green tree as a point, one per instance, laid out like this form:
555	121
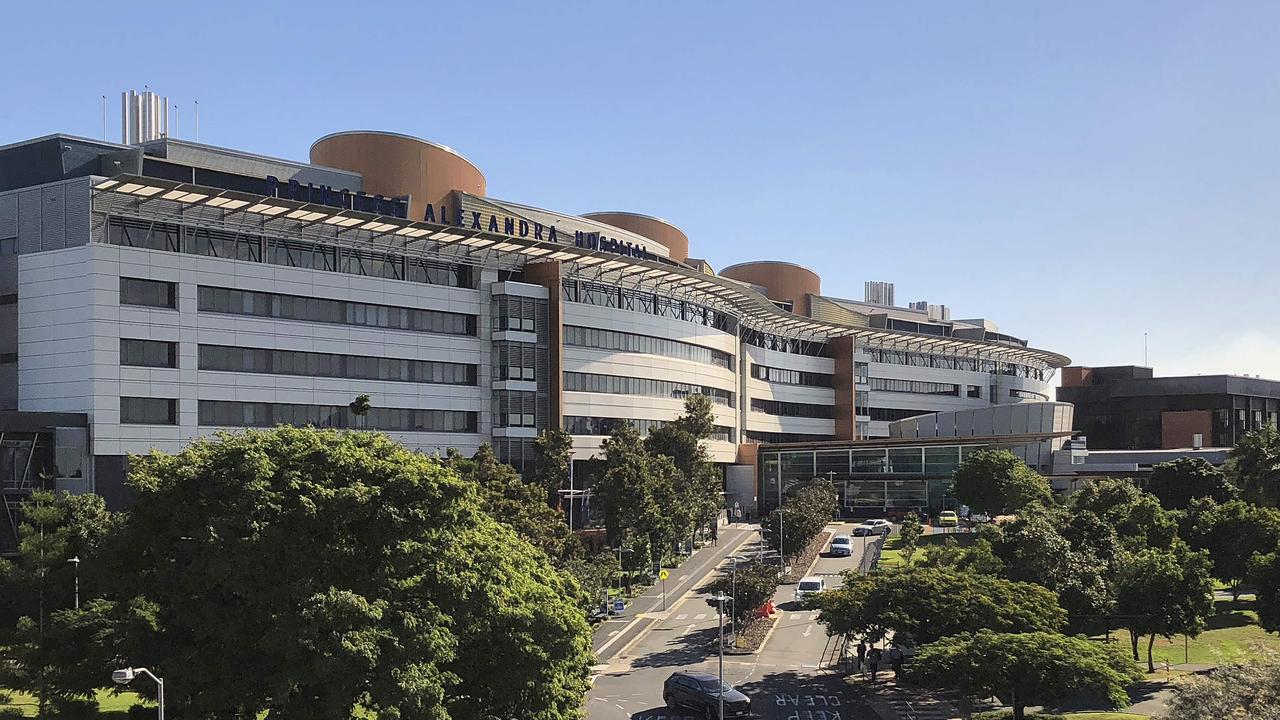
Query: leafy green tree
997	482
1033	549
306	572
1165	593
1233	533
806	509
932	603
549	469
978	558
1232	691
595	575
1178	482
639	497
1137	517
699	482
56	527
909	533
1024	669
1264	572
1254	466
755	584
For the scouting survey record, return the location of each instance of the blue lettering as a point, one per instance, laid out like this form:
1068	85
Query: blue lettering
475	221
509	226
430	214
457	216
537	231
493	223
524	228
552	236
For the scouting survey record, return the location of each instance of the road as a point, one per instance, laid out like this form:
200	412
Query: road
784	679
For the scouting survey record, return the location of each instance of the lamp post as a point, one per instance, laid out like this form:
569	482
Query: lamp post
733	626
75	563
126	676
719	600
621	550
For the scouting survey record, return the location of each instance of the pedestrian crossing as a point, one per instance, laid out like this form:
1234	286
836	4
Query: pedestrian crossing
807	617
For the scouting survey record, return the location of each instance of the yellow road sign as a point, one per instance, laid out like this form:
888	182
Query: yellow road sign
663	574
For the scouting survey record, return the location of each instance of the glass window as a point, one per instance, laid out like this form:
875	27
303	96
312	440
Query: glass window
906	460
149	293
941	460
148	411
247	302
148	353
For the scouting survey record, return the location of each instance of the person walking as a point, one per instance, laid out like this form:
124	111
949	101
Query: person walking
873	660
895	662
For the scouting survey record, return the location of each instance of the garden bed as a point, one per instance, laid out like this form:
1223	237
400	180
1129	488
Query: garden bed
800	564
752	636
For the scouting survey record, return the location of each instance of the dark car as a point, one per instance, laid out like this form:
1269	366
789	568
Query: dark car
700	692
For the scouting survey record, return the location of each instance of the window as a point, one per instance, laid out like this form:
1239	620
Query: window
790	377
792	409
779	343
861	371
9	299
150	293
914	386
290	362
627	342
341	312
579	425
148	353
148	411
757	436
224	413
624	385
9	246
591	293
891	414
1027	394
974	391
949	362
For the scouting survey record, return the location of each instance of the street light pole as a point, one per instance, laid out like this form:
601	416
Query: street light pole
733	626
719	599
570	494
126	676
75	562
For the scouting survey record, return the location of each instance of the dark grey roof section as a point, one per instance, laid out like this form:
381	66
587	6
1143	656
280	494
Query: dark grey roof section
210	157
53	158
1183	385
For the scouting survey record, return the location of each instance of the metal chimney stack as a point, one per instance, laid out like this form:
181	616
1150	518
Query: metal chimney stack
143	117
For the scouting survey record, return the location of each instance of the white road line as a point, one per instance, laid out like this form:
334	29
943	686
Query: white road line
795	616
700	616
813	616
615	632
682	616
808	630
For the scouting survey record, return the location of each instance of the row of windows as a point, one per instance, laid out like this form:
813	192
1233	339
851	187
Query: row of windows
343	312
1027	394
629	342
148	353
224	413
148	293
769	341
590	293
792	409
757	436
915	386
580	425
278	251
949	362
623	385
791	377
891	414
148	411
290	362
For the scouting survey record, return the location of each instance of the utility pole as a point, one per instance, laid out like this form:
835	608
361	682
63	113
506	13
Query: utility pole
75	563
719	599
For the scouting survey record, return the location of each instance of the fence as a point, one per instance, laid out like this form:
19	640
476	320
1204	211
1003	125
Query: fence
872	555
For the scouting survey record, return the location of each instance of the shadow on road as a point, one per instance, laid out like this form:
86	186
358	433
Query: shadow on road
809	697
690	648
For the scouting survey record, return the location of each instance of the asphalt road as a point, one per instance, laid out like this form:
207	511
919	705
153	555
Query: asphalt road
784	679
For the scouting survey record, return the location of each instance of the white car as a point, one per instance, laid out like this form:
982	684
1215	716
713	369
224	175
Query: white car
812	585
873	527
841	546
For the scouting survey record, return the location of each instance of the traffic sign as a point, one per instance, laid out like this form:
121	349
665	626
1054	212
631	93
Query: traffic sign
619	606
663	574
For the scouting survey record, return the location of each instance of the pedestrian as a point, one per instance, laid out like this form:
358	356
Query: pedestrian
895	661
715	533
873	660
862	650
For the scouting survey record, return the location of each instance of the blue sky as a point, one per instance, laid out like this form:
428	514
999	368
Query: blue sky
1079	172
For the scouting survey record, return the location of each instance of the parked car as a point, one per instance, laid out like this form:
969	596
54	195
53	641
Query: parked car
701	692
811	585
948	518
841	546
873	527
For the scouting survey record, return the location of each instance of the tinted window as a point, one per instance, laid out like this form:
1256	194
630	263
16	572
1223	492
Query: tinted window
151	293
148	353
148	411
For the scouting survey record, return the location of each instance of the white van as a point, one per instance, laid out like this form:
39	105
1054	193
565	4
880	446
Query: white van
812	585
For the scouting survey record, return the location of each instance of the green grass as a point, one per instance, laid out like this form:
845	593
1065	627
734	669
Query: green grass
109	706
1232	636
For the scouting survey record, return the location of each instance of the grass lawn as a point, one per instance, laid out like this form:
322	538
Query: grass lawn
1232	634
110	706
891	555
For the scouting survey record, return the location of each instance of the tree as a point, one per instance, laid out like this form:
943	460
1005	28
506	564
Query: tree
550	468
1178	482
997	482
755	584
1164	592
1264	572
910	533
1254	466
806	509
1233	691
56	526
1033	549
978	558
1233	533
304	572
699	480
1137	517
931	603
638	495
1025	668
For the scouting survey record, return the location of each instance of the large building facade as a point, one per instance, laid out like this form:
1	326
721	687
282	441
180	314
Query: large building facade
157	292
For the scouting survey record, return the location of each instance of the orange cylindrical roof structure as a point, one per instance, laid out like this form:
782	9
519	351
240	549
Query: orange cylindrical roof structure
656	229
782	281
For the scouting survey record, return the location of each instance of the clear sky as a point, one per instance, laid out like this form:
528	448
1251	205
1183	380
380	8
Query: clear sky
1081	173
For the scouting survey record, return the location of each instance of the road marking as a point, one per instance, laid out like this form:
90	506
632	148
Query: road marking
700	616
813	616
682	577
795	616
807	631
615	632
683	616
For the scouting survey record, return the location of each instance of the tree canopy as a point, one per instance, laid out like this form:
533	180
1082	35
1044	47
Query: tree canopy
1177	482
1136	516
308	572
806	509
1233	533
1024	669
549	469
1033	548
932	603
1264	571
1254	466
1164	592
1231	692
998	482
